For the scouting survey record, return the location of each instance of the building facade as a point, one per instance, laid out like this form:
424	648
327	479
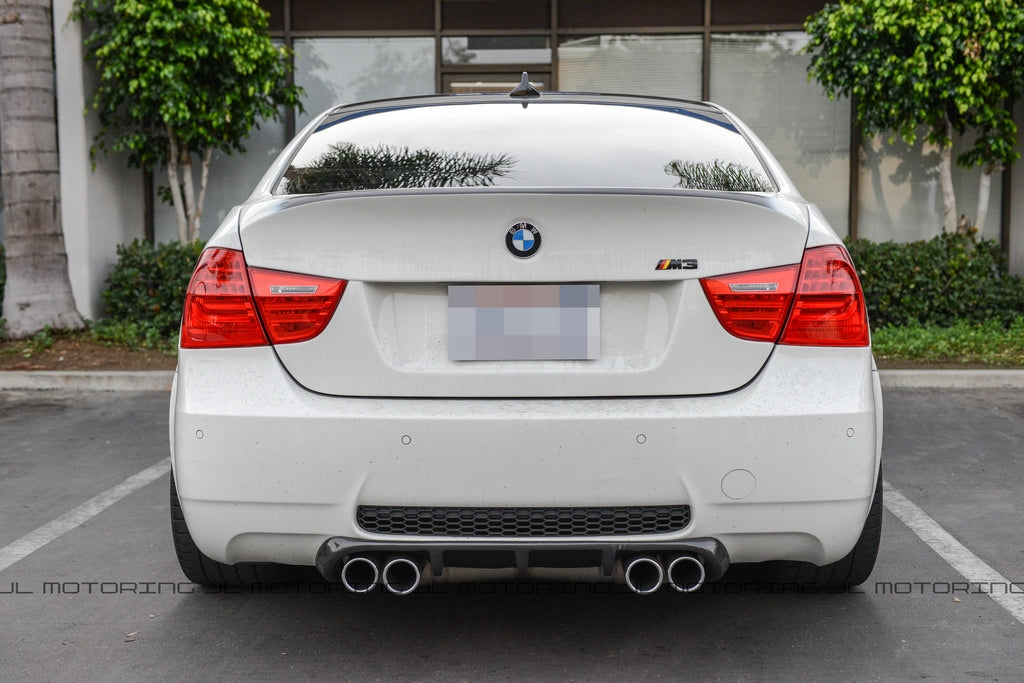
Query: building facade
743	54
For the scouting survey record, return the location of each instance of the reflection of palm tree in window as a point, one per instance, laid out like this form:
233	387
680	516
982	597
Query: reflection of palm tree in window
719	175
345	167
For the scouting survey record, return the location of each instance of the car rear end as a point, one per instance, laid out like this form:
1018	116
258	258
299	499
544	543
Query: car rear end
596	339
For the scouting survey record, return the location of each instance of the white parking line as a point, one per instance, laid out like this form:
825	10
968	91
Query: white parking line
1009	596
34	540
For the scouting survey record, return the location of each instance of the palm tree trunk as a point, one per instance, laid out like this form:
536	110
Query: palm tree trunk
38	290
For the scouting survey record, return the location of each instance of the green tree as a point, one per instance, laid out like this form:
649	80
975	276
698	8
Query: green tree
180	79
944	65
37	292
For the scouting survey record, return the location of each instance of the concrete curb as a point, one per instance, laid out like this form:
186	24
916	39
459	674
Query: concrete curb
161	381
952	379
86	381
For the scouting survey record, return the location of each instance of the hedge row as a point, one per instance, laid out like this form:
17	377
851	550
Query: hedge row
949	278
145	293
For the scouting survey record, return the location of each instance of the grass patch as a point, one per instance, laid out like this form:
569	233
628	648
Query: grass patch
133	335
988	343
105	337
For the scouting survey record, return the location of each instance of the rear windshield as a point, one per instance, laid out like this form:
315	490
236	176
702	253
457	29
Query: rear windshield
543	145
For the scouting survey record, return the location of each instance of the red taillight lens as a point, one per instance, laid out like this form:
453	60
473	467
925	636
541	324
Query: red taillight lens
829	309
827	302
223	310
753	305
295	307
219	309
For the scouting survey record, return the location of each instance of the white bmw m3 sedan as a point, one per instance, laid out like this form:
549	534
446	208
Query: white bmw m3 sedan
525	336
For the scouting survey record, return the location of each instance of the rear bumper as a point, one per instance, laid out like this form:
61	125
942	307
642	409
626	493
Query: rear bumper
781	469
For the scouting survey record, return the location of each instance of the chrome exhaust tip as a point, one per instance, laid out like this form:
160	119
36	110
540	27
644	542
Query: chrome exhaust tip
644	574
401	575
686	573
360	574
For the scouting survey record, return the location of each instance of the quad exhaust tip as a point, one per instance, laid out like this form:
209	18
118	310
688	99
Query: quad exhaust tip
401	575
686	573
360	574
644	574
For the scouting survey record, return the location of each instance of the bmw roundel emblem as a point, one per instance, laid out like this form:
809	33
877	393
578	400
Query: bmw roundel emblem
523	239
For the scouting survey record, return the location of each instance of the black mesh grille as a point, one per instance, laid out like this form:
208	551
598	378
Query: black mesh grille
449	521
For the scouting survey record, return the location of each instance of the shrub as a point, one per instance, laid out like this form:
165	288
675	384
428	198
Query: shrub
145	292
949	278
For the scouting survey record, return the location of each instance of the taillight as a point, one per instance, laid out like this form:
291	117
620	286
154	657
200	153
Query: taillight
829	309
219	308
753	305
222	309
816	303
295	307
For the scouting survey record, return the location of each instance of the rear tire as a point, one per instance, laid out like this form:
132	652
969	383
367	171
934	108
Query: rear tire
856	567
200	569
852	570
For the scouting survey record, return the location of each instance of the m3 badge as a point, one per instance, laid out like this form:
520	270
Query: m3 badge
677	264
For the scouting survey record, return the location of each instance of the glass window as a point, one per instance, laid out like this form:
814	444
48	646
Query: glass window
901	195
762	78
666	66
343	70
503	82
496	50
547	144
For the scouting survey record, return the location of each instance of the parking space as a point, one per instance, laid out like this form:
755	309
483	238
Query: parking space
59	449
962	462
106	599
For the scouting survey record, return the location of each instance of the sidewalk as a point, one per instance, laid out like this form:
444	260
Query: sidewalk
161	381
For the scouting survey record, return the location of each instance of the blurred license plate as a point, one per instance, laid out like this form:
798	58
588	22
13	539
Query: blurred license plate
524	322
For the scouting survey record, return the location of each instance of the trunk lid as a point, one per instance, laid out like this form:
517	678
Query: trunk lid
400	252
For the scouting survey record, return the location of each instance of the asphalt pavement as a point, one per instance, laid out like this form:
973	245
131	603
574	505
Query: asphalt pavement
90	588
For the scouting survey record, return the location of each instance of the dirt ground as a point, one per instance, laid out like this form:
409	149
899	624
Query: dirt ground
80	352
